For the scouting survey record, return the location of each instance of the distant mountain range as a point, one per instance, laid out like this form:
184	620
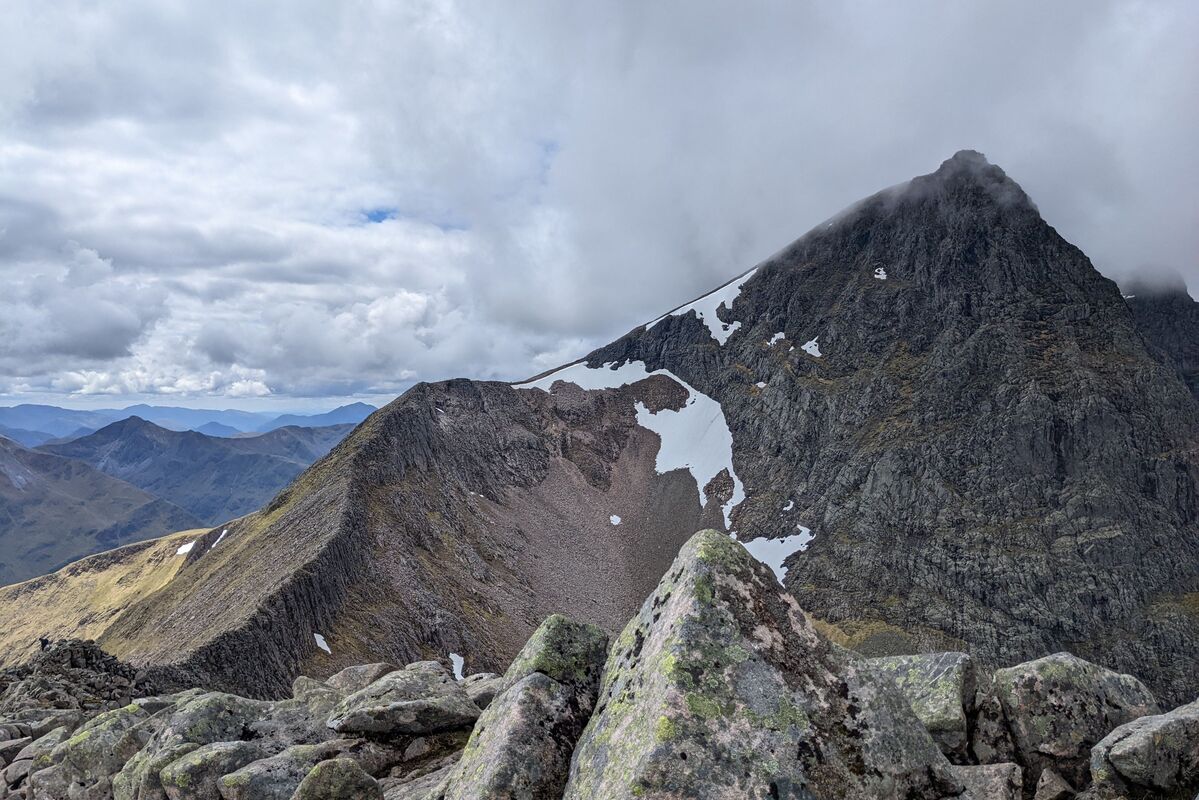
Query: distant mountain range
54	510
133	480
215	479
34	425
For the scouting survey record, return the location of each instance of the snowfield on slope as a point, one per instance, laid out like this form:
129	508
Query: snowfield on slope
696	437
705	308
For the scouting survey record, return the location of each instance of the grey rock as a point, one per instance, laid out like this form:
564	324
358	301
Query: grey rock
276	777
941	688
338	779
10	748
1153	754
482	687
1051	786
521	745
143	781
571	653
419	699
86	762
351	679
39	751
990	781
720	687
195	775
1060	706
420	785
198	720
990	739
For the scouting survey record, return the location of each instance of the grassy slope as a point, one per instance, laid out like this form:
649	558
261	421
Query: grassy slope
83	598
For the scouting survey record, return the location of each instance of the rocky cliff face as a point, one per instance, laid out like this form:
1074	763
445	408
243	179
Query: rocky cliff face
1169	320
930	414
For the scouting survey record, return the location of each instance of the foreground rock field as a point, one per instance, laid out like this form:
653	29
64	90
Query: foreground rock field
720	687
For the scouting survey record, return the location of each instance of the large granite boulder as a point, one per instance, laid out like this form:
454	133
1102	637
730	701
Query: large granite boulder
194	776
419	699
522	744
990	781
338	779
1154	756
940	687
277	777
720	688
1060	706
482	687
85	764
352	679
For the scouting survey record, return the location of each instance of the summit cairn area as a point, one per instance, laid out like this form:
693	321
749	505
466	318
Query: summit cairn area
719	687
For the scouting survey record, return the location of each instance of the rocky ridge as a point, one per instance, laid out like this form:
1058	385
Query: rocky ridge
719	687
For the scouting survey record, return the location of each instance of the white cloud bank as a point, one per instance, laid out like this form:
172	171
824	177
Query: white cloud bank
321	199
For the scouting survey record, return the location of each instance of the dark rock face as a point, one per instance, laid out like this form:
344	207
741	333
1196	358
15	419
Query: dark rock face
986	451
1168	318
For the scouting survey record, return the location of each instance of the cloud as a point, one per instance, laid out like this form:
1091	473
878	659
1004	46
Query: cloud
315	200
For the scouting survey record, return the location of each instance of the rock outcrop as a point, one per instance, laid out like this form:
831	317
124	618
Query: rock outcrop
721	688
1153	756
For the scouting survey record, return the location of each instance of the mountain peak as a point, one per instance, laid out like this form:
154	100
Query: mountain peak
966	176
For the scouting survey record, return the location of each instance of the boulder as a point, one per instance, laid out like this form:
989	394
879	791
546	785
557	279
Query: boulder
940	687
201	719
85	763
351	679
1155	755
721	688
276	777
482	687
522	743
1051	786
419	699
338	779
195	775
990	739
144	783
1059	707
990	781
10	748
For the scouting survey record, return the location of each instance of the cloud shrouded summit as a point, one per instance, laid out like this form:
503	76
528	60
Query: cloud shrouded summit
308	200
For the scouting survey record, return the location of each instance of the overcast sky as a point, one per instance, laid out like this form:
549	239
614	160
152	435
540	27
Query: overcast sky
228	204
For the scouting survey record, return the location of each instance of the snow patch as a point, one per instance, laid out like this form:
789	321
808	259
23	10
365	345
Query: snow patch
615	520
778	337
1128	296
812	348
696	437
218	539
459	662
761	384
880	273
705	308
773	552
790	505
321	643
184	549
